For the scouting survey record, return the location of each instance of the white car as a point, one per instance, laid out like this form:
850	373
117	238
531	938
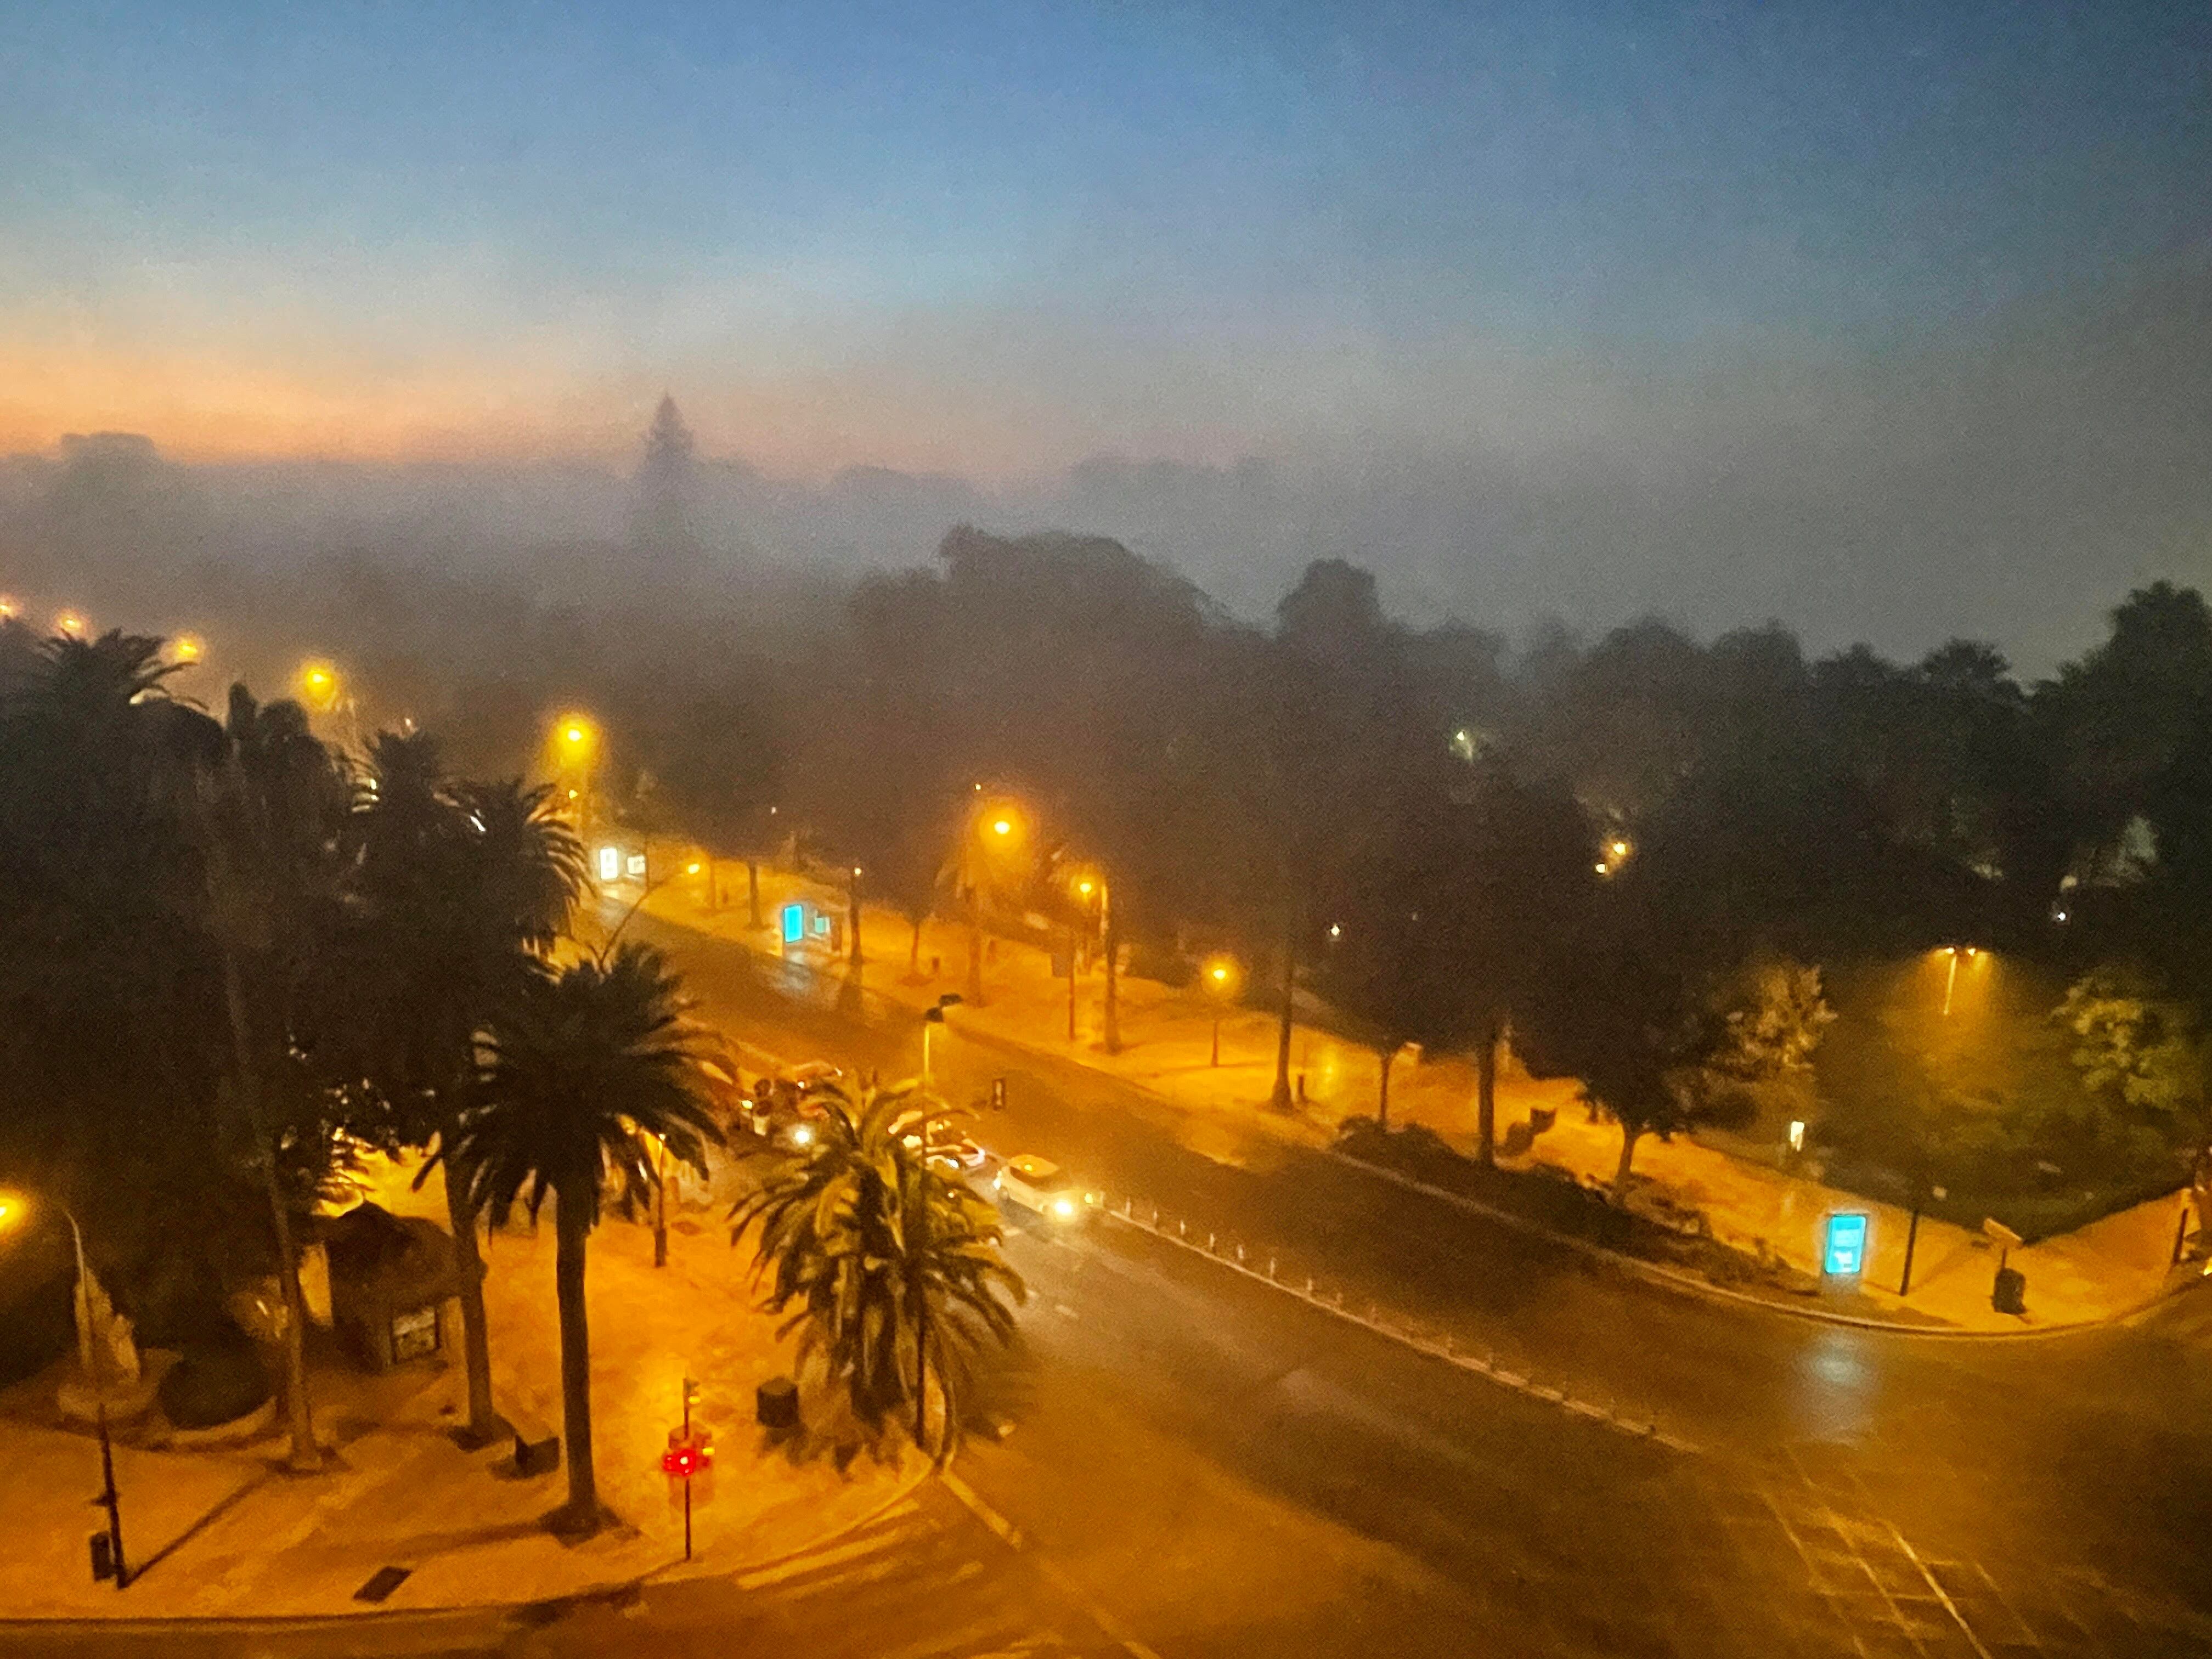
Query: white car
1040	1185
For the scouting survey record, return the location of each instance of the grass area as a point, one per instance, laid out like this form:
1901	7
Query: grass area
1551	1198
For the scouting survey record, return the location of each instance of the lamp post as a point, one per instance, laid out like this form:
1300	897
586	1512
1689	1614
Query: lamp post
987	827
919	1232
1221	979
852	915
91	1353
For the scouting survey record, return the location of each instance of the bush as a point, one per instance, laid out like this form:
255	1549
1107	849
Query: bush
211	1386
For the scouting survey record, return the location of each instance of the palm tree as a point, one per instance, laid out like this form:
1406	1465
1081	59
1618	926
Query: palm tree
271	809
893	1267
580	1074
462	889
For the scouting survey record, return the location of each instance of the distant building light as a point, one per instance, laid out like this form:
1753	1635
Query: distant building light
637	864
1796	1134
609	863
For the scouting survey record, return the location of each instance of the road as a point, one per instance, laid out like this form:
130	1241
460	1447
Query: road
1200	1463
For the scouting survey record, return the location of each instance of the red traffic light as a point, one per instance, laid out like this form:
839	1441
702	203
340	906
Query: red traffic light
685	1460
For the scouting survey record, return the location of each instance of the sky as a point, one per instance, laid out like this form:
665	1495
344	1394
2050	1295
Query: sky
1568	283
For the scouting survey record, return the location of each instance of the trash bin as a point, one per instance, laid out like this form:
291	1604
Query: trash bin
776	1403
2009	1295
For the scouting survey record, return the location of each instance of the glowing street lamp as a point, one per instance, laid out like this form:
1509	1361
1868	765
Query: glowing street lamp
187	648
319	684
9	609
1951	972
70	624
993	827
91	1352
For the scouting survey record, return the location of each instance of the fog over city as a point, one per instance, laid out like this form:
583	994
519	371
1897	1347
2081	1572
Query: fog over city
1119	829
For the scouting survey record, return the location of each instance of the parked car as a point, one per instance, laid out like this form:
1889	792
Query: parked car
958	1156
1042	1186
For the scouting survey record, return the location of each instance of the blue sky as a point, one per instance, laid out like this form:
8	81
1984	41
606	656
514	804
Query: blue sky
1041	230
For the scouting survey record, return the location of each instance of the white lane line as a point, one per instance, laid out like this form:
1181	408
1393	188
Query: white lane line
1941	1595
1114	1630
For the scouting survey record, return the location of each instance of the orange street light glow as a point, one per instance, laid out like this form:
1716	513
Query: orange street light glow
70	623
187	647
1001	827
692	868
8	609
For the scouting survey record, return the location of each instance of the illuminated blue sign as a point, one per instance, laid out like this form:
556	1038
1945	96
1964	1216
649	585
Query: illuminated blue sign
794	923
1844	1255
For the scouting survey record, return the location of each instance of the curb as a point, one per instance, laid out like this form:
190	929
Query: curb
1697	1285
676	1571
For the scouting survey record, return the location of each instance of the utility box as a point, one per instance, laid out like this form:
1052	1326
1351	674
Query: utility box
777	1403
2010	1294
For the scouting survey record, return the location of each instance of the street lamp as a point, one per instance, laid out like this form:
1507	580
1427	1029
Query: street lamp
574	742
931	1018
70	624
91	1353
1092	887
990	826
852	915
187	648
1220	976
1951	973
9	609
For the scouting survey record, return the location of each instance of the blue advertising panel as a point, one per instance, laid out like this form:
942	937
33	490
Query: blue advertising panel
794	923
1845	1253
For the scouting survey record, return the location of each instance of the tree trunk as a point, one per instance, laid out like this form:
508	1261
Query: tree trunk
485	1425
1486	1097
306	1455
1282	1094
1382	1088
853	917
1110	1034
752	891
570	1237
914	948
1628	1139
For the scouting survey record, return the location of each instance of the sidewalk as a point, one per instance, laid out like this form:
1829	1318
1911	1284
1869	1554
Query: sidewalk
225	1533
2100	1272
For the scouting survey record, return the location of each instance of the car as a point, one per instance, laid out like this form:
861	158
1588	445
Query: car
956	1155
961	1157
1039	1185
780	1102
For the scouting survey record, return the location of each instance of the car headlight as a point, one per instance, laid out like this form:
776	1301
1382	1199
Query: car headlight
1062	1207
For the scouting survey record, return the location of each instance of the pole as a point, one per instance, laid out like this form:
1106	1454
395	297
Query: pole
1950	979
1071	981
687	1479
89	1348
1912	1237
2180	1235
853	913
1217	1040
918	1282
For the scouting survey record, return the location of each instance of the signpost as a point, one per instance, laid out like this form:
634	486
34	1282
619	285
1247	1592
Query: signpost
689	1459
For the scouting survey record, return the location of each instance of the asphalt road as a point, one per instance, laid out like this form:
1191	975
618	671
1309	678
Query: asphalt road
2058	1489
1197	1463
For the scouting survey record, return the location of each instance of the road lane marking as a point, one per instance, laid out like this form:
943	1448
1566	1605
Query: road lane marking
1941	1595
1114	1630
1641	1429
